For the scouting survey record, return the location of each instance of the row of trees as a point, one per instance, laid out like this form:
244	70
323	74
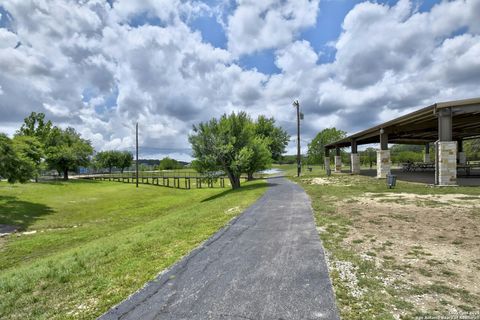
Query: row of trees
236	144
38	145
168	163
113	159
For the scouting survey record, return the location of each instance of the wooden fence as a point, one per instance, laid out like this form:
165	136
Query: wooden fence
179	180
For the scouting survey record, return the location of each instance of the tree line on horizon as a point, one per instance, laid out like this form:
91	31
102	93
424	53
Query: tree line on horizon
234	144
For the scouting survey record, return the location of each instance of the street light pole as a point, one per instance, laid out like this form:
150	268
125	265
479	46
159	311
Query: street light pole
136	147
299	164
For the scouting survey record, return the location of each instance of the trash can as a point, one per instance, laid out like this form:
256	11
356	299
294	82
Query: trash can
329	172
309	169
391	180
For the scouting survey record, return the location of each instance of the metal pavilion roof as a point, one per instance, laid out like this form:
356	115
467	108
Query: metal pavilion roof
421	126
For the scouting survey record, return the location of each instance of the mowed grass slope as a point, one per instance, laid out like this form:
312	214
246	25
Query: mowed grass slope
85	246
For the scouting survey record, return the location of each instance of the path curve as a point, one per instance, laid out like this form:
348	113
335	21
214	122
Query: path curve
266	264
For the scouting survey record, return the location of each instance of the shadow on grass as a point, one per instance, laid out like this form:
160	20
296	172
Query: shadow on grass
20	213
241	190
67	182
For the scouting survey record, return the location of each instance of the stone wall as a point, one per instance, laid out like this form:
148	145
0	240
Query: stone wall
383	163
355	158
338	164
446	174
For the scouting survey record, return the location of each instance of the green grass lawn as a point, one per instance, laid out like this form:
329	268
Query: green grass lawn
396	257
84	246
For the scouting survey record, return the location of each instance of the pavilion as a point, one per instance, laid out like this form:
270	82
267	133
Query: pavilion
445	124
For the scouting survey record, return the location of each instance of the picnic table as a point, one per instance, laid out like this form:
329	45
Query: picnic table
420	166
465	167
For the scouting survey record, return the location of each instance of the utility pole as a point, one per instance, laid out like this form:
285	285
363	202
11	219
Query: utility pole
136	146
299	163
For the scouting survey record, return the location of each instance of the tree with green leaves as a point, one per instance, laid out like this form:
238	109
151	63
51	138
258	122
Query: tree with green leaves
16	165
107	159
316	148
168	163
125	160
30	150
401	153
36	126
113	159
369	156
223	144
257	156
66	150
275	138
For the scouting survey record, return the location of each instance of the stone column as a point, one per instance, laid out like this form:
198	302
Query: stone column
326	160
383	163
446	165
327	163
446	150
383	156
338	160
426	155
338	164
355	158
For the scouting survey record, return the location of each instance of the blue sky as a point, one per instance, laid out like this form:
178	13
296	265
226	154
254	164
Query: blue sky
326	30
171	64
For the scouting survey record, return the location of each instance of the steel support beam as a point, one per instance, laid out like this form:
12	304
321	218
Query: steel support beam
383	140
445	124
460	145
354	146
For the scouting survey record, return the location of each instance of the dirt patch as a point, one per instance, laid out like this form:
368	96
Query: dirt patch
344	181
320	181
429	200
428	245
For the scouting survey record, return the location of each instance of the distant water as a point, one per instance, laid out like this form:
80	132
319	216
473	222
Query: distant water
271	171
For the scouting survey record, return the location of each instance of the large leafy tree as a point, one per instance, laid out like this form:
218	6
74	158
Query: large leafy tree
316	148
275	138
35	125
31	152
125	160
168	163
107	159
472	148
66	150
369	156
257	156
224	145
15	163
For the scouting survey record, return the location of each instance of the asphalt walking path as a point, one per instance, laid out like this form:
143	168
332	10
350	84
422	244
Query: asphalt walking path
266	264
